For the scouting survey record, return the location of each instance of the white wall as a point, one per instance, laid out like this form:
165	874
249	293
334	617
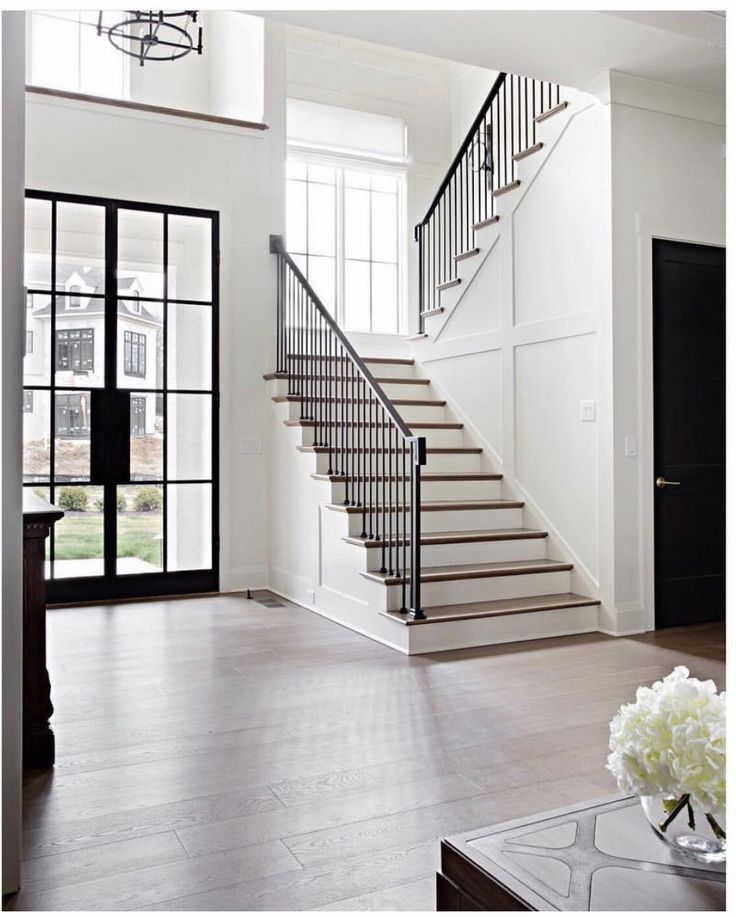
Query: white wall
13	75
668	182
522	348
469	88
92	149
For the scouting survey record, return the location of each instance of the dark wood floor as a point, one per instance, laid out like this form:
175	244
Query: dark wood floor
215	754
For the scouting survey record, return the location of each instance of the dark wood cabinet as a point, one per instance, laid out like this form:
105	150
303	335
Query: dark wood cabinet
38	737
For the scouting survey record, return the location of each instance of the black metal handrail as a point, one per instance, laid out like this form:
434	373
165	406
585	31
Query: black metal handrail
368	444
483	165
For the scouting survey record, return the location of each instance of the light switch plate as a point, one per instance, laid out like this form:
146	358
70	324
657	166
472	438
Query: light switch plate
251	445
587	411
631	445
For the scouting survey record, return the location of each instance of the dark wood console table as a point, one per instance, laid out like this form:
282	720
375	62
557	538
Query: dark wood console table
38	737
601	856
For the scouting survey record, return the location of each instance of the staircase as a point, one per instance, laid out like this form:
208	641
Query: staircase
422	544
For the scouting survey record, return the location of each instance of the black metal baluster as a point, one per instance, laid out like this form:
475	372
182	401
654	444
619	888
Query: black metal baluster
382	415
419	458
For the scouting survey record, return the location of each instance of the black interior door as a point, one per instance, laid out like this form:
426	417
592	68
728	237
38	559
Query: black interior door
121	406
689	326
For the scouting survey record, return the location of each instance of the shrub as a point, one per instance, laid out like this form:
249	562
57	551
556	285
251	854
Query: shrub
147	499
122	501
73	499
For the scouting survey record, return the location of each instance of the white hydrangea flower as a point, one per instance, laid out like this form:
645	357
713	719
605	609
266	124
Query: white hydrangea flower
672	741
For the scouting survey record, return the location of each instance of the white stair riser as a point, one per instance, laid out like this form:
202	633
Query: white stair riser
458	592
480	552
330	411
431	413
327	367
429	638
466	462
431	490
452	520
336	389
444	461
434	437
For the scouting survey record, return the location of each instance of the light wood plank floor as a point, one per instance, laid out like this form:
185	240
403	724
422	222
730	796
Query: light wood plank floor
215	754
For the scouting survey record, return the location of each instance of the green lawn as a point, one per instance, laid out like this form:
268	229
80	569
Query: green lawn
79	536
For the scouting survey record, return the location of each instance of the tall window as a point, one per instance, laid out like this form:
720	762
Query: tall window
67	53
134	354
346	211
343	229
75	350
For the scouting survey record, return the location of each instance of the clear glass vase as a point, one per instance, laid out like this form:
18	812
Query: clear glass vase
696	835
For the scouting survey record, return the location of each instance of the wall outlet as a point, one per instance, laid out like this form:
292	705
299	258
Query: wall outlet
631	445
587	411
310	596
251	445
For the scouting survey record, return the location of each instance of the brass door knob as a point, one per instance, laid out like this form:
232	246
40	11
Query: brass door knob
660	482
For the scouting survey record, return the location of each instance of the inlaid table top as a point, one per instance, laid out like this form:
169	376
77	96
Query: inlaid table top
598	856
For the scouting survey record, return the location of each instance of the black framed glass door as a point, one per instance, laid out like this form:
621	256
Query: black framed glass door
120	403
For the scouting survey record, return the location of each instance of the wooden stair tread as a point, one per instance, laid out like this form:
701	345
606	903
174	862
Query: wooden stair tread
489	221
383	380
529	151
438	310
430	538
496	608
431	450
426	476
433	506
470	253
449	284
416	402
555	110
476	571
412	424
504	189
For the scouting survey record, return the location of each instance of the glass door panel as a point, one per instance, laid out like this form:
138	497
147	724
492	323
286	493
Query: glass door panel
36	436
146	436
140	529
119	406
79	536
189	346
189	258
140	244
140	344
72	436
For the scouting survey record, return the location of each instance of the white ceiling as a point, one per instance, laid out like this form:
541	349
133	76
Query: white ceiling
685	48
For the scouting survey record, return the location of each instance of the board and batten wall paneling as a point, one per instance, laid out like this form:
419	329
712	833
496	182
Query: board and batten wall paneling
556	454
560	237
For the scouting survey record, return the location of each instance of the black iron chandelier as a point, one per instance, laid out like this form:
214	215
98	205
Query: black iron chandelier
153	35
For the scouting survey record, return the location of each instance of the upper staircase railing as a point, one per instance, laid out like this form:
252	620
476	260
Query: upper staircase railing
483	167
368	444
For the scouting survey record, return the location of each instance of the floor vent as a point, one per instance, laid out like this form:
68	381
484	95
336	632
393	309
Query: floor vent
265	598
